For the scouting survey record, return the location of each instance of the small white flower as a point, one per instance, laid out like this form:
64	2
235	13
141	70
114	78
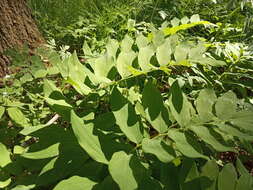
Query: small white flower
5	93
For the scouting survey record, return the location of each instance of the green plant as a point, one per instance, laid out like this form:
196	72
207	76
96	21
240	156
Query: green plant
145	113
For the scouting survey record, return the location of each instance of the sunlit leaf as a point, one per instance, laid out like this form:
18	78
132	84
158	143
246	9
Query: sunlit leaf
185	145
5	156
48	152
17	116
125	116
126	171
161	150
75	182
157	114
88	141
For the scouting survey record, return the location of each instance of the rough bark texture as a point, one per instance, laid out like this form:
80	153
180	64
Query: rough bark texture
17	27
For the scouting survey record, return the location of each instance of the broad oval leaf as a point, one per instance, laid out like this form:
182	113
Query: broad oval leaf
227	178
156	112
75	183
204	104
186	146
88	141
245	182
227	101
126	171
180	107
17	116
209	173
5	156
161	150
243	119
126	117
49	152
144	57
163	53
206	135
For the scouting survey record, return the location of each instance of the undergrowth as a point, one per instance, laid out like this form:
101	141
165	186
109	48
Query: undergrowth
151	99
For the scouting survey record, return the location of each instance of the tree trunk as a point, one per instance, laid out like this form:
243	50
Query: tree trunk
17	28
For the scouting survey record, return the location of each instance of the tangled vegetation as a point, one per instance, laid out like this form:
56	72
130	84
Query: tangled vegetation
155	98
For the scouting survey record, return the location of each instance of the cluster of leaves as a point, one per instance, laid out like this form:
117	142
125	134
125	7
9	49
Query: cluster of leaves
150	112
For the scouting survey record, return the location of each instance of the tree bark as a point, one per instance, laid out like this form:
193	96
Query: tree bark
17	28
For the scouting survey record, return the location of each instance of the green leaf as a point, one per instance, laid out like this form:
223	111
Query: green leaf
4	183
86	49
195	18
126	171
107	183
112	48
185	20
209	173
41	73
126	44
18	117
175	22
156	113
75	183
161	150
157	38
245	182
141	41
185	145
180	107
144	57
243	119
2	110
196	53
53	70
5	156
227	101
23	187
61	107
207	136
211	62
227	178
175	29
240	168
56	99
26	78
204	104
151	183
18	149
50	90
124	61
77	75
188	171
189	175
163	53
102	66
126	117
87	140
230	130
169	176
63	66
181	53
48	152
49	166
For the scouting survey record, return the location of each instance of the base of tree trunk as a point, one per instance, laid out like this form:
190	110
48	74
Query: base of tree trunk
17	28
